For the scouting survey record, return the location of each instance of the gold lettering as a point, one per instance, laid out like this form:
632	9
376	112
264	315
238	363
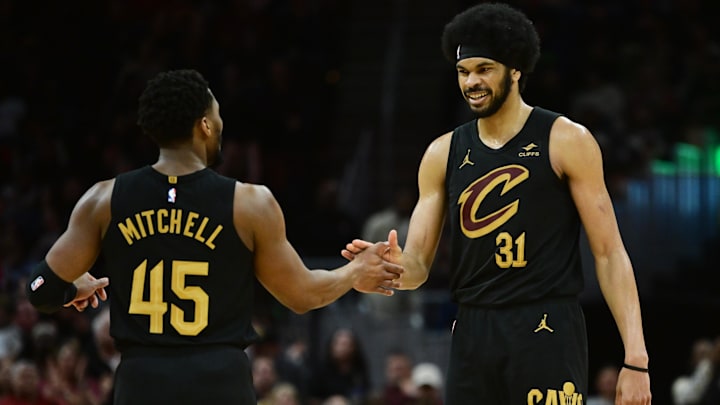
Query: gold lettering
566	396
149	222
534	397
552	397
147	214
192	216
175	219
198	234
162	227
209	242
140	225
570	399
129	231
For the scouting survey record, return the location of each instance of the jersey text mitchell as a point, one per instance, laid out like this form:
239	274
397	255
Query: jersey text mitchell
164	221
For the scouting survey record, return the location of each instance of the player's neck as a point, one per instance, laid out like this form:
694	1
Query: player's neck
498	129
178	162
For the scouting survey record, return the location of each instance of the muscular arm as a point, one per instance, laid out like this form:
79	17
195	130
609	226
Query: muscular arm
428	216
78	247
261	225
73	254
576	155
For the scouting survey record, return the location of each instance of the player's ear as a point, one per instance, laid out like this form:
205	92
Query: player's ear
205	125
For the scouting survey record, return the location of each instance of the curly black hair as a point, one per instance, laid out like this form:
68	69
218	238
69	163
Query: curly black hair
502	31
171	103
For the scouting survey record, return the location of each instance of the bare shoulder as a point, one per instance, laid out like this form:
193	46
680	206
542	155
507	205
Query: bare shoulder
441	143
97	198
572	147
252	197
93	208
439	148
568	132
256	212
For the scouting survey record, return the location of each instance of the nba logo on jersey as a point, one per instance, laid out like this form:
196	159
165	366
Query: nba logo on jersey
172	195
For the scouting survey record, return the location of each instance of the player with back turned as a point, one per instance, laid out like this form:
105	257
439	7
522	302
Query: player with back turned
181	246
516	184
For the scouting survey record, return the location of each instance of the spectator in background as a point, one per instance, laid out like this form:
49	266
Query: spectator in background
703	385
25	386
605	386
26	319
337	400
711	396
427	377
284	393
399	388
404	306
5	377
66	378
264	379
106	357
394	216
43	344
10	335
342	371
292	365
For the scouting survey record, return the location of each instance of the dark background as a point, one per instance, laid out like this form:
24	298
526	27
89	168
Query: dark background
331	103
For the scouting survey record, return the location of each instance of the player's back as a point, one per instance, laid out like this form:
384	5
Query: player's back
179	274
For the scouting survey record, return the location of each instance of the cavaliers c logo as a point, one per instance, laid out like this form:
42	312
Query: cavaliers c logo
471	198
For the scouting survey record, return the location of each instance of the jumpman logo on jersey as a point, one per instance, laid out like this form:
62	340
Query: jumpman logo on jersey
543	325
466	160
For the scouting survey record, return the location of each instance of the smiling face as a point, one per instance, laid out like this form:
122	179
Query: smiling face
485	84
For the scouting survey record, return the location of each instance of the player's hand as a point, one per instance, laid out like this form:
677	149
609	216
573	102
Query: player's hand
375	274
633	388
90	291
355	247
392	254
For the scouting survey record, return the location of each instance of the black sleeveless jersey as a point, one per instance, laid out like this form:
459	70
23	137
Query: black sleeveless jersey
513	224
179	273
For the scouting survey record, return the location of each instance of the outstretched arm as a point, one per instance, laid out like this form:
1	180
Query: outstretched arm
576	155
260	223
426	221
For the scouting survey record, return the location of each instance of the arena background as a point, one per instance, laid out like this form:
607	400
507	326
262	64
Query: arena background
331	103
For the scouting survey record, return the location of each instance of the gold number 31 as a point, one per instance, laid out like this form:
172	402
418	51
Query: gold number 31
505	257
156	308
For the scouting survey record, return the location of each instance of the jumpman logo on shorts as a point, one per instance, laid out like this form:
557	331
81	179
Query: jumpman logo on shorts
466	160
543	325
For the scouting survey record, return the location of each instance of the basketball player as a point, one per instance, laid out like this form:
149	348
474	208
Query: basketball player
517	184
182	246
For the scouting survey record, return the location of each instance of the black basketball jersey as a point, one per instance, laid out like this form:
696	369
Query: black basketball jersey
513	225
179	273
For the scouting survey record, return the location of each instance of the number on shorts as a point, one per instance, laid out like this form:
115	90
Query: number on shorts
155	307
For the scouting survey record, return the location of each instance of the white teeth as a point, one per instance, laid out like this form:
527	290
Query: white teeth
476	96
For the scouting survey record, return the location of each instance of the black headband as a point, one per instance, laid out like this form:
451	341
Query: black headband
469	51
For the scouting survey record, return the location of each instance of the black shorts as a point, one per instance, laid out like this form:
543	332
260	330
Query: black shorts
187	376
530	354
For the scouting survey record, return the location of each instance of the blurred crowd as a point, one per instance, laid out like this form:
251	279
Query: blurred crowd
640	74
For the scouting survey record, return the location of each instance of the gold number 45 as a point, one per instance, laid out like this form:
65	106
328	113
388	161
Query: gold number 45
156	308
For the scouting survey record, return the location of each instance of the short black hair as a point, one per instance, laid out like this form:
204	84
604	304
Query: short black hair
501	30
171	103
